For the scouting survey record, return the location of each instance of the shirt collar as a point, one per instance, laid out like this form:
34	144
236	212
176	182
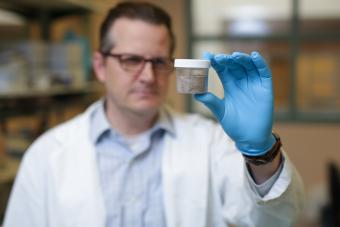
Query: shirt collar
100	125
99	122
165	122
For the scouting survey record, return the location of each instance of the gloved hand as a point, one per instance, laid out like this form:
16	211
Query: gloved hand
246	110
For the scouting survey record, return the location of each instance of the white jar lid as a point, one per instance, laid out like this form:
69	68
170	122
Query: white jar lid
192	63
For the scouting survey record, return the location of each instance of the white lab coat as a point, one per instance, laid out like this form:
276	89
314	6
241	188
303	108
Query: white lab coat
204	181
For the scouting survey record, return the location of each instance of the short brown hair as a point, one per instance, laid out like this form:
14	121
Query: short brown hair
134	10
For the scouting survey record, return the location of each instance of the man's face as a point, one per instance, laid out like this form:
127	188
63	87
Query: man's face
142	91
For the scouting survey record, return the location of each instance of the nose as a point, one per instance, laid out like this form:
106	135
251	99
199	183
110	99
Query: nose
147	75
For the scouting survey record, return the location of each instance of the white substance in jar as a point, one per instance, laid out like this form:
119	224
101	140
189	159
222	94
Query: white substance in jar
192	75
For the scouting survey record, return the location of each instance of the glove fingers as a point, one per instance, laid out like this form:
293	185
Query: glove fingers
218	63
237	70
207	55
214	103
261	65
231	71
211	57
245	61
250	68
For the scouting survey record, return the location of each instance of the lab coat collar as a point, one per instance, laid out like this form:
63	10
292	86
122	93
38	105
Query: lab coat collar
99	123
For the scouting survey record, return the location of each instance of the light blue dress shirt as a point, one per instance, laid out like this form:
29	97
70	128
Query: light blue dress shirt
130	172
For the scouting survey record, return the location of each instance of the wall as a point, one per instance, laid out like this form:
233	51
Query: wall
311	147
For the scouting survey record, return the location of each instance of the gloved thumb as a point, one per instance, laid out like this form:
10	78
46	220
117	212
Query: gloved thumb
214	103
207	55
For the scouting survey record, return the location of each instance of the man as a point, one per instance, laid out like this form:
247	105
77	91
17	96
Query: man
130	161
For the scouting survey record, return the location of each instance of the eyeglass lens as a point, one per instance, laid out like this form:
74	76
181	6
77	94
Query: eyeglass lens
135	63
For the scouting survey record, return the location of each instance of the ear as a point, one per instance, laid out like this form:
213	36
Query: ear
98	62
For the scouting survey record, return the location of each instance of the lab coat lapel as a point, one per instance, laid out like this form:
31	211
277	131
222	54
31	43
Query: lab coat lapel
78	187
185	178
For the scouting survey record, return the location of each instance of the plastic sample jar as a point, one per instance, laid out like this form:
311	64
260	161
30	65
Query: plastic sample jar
192	75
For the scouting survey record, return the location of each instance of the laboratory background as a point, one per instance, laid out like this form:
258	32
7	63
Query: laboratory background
46	76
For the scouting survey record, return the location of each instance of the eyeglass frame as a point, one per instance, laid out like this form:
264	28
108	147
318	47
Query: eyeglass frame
153	61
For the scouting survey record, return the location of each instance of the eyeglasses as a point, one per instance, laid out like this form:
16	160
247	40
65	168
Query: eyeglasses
135	63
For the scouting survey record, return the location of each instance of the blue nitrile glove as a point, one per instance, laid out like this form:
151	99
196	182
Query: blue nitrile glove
246	111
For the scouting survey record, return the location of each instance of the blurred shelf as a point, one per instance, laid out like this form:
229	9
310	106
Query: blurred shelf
32	8
21	102
8	168
8	171
46	11
60	90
